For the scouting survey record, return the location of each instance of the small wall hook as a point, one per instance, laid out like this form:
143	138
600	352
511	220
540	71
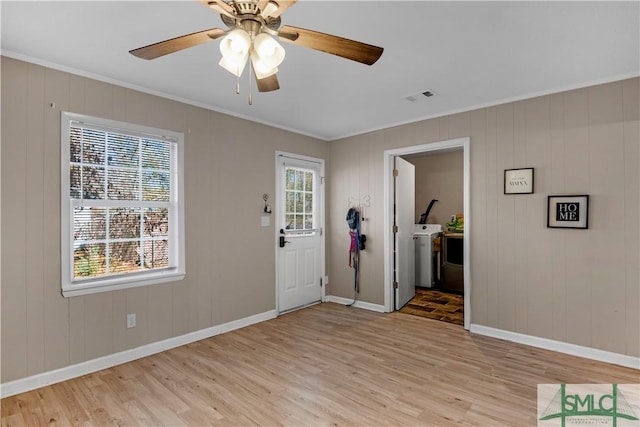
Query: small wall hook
267	208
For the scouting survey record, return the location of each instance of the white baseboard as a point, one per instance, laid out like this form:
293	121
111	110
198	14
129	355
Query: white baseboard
359	304
51	377
559	346
68	372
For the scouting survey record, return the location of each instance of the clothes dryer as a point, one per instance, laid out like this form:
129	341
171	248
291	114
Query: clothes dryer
423	236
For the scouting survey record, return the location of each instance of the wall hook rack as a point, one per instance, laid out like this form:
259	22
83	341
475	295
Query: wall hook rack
360	203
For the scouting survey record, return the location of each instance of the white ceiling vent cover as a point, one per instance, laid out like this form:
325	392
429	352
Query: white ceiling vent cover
420	96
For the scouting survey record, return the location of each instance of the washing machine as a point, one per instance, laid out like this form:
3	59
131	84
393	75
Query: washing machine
423	236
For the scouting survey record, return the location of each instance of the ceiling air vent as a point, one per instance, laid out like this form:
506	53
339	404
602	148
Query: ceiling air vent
420	96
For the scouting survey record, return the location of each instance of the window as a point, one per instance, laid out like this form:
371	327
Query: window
122	207
298	198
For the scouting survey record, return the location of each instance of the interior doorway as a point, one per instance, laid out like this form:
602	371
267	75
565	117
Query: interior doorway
391	237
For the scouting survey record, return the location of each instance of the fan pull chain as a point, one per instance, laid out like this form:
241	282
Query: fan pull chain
250	95
238	82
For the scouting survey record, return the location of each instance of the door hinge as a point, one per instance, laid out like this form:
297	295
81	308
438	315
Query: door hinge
321	282
395	285
395	172
395	228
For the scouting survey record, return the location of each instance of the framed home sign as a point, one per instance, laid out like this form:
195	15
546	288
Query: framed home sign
568	211
518	181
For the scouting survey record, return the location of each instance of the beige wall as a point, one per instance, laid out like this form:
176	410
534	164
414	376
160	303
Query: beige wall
575	286
439	176
229	164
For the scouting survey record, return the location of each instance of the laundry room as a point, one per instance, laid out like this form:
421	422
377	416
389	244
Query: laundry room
438	235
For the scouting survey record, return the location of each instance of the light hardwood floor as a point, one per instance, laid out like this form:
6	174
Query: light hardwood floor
324	365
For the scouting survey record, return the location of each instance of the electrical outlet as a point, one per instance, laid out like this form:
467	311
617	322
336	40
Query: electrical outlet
131	320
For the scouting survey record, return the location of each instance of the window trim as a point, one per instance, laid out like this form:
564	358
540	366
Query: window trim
71	287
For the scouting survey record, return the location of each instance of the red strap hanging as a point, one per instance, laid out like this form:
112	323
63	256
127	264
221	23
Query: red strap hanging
352	247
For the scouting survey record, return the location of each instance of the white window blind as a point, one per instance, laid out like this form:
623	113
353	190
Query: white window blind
121	201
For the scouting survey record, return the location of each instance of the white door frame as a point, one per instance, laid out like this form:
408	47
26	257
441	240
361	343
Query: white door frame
279	207
388	217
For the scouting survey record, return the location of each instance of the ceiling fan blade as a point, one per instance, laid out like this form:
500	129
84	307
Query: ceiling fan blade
282	6
268	84
346	48
219	6
166	47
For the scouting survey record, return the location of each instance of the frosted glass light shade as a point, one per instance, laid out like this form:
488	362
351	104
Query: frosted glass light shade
269	50
235	51
261	68
236	44
233	65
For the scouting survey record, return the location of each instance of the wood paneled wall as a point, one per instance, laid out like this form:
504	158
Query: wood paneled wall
439	176
575	286
229	164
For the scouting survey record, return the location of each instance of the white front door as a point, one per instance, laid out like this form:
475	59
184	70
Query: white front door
299	231
405	274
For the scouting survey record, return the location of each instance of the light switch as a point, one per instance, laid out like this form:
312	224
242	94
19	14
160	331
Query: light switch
265	221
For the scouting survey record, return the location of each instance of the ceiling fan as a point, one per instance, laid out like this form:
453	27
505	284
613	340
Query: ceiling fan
252	24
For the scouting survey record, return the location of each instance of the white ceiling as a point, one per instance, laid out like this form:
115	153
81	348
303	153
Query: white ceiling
471	54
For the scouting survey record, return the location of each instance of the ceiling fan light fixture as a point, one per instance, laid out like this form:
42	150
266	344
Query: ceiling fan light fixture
236	44
260	67
235	51
234	65
269	50
252	29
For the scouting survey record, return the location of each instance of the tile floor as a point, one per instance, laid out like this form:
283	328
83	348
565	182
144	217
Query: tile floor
437	305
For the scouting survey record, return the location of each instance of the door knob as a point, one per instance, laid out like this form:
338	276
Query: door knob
283	242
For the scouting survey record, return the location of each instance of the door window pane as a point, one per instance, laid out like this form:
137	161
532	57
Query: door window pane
299	195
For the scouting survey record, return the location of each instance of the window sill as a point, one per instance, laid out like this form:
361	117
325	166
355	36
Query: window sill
118	283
